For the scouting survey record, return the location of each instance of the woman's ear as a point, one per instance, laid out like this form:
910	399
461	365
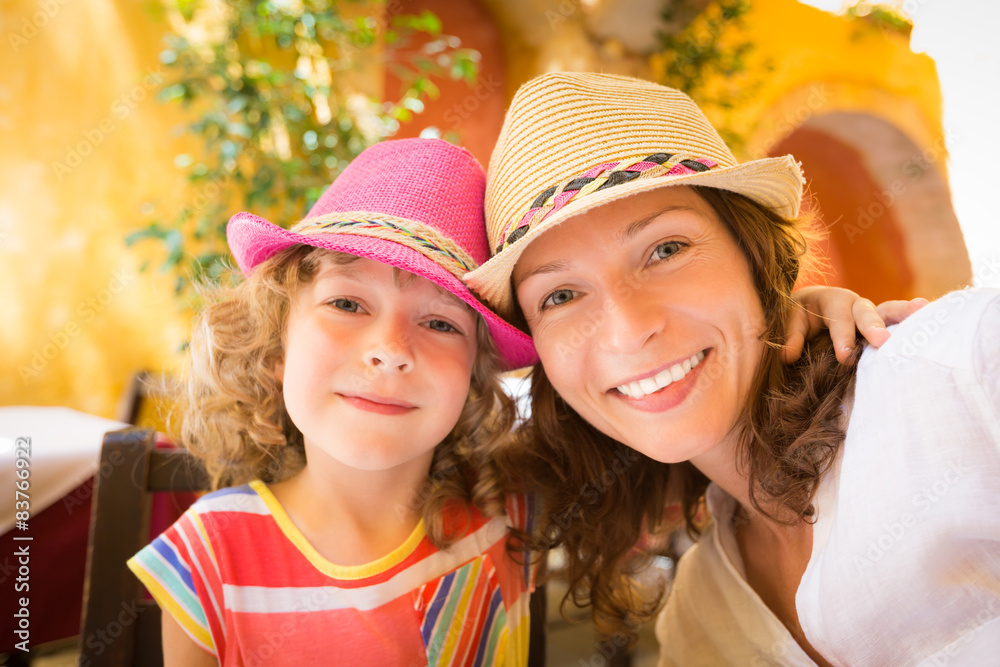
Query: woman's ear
278	370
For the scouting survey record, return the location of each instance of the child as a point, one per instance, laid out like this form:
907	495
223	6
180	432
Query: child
349	388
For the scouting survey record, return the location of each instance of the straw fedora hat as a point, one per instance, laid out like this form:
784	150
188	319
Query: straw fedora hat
574	141
416	204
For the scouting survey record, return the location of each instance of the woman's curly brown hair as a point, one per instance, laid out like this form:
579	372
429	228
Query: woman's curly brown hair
601	496
233	415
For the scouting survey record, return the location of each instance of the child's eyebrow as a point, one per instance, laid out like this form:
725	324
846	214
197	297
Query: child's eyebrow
337	270
452	298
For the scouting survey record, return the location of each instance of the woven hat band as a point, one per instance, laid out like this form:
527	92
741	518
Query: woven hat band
600	177
422	238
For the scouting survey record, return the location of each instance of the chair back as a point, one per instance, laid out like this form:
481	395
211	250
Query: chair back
120	625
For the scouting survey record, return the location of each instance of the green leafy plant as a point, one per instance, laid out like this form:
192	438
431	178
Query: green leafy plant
273	89
705	56
886	19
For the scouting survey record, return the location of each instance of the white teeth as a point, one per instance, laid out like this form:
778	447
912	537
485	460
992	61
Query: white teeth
653	384
663	378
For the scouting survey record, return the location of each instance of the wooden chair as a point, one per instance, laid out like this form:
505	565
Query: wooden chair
120	627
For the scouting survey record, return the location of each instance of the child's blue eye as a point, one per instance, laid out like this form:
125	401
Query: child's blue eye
441	325
557	298
347	305
667	250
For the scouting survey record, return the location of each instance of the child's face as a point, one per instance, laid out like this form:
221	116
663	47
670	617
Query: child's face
376	369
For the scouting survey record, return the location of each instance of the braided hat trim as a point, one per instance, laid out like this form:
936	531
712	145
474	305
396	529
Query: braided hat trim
601	177
424	239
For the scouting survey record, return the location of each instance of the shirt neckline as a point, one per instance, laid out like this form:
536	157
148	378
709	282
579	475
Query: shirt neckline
722	507
342	572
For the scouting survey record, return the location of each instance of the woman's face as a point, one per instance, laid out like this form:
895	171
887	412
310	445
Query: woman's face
646	320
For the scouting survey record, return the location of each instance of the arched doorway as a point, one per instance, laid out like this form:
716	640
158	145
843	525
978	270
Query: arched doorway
892	232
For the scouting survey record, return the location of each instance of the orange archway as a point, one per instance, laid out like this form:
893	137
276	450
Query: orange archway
892	231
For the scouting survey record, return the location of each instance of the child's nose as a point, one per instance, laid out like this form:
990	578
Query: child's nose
391	350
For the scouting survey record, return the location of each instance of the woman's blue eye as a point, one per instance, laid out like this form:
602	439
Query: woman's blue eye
347	305
666	250
557	298
441	325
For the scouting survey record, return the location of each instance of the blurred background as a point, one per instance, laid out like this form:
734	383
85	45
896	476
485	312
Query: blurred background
130	131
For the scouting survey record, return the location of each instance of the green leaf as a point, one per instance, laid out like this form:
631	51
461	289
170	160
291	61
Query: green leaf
151	232
430	22
234	90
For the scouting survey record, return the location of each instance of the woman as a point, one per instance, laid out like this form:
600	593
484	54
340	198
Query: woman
856	518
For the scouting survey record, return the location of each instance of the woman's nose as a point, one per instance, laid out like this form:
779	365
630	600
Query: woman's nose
631	320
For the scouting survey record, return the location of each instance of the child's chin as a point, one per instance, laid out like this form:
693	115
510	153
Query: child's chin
372	461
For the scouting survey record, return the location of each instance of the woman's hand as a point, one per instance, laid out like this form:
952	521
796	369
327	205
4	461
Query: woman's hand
841	311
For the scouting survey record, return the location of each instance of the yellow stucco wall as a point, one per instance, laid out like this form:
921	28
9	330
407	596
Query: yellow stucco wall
84	147
838	65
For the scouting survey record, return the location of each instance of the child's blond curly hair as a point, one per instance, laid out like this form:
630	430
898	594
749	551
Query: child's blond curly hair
233	415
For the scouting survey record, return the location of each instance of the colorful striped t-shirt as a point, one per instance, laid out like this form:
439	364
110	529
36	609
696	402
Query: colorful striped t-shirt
247	587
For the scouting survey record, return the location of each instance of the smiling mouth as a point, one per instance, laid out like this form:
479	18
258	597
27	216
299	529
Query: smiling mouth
663	379
379	404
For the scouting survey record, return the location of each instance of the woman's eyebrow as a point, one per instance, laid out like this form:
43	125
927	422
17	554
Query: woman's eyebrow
551	267
622	238
630	232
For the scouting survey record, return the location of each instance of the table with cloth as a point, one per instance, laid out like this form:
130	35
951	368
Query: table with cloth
65	447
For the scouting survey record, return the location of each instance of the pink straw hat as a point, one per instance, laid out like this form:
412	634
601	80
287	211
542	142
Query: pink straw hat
416	204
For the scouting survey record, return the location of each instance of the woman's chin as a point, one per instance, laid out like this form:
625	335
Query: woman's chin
665	451
690	447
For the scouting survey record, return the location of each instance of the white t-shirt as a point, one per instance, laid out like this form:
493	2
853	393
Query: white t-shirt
905	565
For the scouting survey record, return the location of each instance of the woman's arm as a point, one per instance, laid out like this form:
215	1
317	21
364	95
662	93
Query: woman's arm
179	650
842	312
